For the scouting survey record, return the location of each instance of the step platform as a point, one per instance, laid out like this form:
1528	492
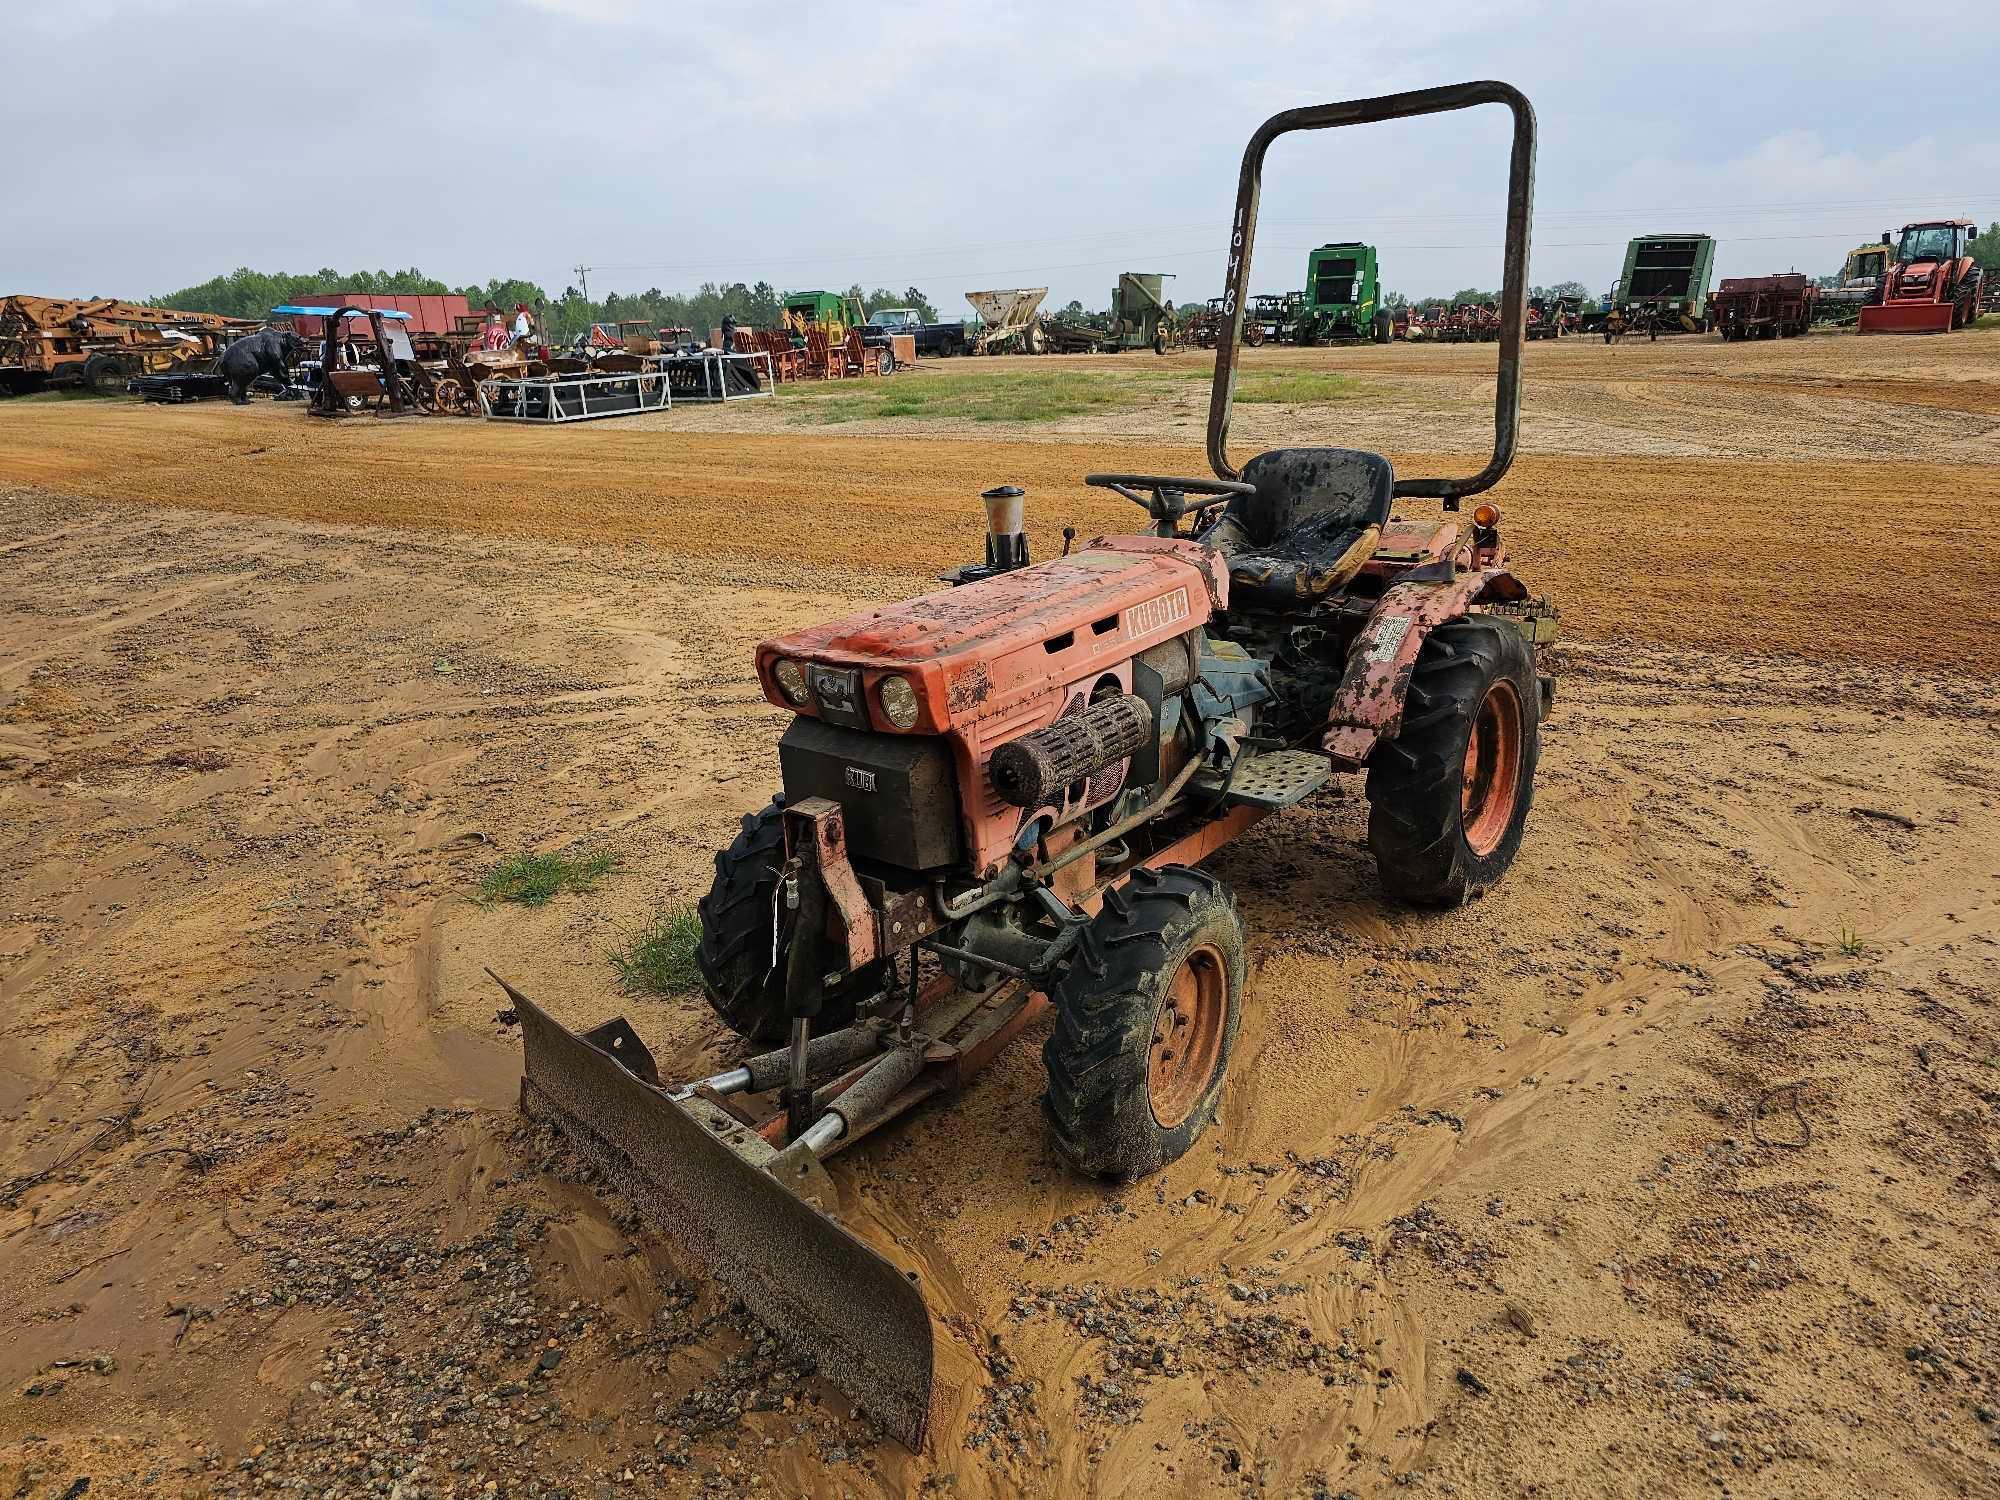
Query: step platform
1280	778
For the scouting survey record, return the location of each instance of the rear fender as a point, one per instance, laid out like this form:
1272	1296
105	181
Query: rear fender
1368	705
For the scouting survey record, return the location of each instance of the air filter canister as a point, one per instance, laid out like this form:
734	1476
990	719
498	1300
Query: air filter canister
1033	770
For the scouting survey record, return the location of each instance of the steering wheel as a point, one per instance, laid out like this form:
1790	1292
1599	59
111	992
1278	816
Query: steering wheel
1166	499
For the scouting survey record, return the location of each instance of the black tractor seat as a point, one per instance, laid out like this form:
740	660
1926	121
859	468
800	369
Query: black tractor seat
1313	522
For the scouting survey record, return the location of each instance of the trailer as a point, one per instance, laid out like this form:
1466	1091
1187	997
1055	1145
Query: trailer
1666	282
1762	307
179	386
1010	321
623	385
1140	318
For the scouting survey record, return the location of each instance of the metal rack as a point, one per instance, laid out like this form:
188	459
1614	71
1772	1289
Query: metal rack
659	383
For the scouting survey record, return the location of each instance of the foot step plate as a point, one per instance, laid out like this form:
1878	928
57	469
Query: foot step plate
1280	778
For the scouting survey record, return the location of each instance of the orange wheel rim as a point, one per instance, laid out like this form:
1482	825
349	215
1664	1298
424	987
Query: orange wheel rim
1492	769
1187	1036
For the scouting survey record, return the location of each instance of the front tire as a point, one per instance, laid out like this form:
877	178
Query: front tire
746	989
1146	1018
106	374
1448	797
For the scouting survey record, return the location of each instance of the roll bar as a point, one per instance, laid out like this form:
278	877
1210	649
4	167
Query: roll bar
1513	304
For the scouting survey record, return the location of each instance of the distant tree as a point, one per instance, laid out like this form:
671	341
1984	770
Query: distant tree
926	309
504	294
245	293
1395	301
1472	294
1986	248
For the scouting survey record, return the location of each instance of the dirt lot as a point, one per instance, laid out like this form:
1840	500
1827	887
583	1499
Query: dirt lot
1669	1168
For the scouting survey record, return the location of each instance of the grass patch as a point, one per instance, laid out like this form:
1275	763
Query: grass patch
659	958
1026	396
534	879
1297	387
1039	392
1988	322
63	393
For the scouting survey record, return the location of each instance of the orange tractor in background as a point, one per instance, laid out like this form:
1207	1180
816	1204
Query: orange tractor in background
1933	286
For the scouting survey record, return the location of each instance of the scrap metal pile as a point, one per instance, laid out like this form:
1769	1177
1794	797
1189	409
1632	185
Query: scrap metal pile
102	343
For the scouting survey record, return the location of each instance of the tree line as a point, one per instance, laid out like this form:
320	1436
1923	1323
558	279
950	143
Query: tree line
245	293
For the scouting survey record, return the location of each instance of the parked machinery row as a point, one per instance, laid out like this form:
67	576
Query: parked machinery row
102	343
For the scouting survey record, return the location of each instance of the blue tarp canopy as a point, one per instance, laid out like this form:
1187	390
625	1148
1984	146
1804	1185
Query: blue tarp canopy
327	312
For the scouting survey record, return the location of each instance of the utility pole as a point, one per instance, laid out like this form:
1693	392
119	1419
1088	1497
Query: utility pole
583	276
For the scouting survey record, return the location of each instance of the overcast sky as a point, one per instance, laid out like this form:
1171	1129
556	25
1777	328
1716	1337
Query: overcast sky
156	143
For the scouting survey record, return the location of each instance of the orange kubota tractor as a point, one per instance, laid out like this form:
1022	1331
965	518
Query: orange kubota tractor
1933	285
996	801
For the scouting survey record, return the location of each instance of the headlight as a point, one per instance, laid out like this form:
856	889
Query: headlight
791	680
899	701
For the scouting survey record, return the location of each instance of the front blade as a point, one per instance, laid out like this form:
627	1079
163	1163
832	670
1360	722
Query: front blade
1907	317
814	1284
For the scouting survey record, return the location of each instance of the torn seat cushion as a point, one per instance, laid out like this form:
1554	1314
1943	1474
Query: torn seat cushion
1312	523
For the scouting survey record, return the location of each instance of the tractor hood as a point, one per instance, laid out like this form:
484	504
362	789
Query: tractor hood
1916	281
983	647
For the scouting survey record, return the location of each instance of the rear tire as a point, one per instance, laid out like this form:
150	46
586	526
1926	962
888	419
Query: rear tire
1449	796
1146	1018
746	990
106	374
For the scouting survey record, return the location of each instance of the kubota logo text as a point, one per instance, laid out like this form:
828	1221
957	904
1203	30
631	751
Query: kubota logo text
1154	613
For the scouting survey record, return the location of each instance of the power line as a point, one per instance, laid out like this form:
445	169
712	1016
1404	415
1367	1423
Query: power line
1543	218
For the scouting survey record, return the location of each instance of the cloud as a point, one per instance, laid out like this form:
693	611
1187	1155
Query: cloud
595	12
1022	142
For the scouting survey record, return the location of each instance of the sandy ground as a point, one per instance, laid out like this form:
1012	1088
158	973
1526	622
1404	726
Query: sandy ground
1669	1168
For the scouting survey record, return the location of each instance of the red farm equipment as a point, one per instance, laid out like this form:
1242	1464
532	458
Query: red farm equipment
1933	285
996	800
1762	307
